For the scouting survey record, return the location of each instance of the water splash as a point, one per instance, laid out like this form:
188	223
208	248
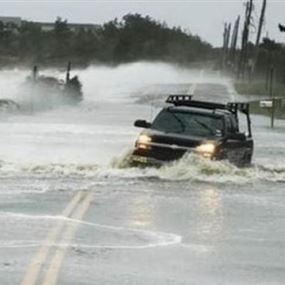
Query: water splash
199	169
190	168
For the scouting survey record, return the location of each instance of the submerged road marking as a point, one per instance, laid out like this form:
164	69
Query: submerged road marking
53	271
41	255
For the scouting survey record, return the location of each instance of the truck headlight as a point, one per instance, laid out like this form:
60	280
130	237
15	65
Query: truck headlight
206	149
143	141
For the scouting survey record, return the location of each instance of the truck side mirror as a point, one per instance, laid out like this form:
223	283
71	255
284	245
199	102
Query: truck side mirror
142	124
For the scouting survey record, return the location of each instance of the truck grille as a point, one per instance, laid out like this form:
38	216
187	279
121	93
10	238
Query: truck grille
160	153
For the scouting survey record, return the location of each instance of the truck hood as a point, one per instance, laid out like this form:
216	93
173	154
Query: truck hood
177	139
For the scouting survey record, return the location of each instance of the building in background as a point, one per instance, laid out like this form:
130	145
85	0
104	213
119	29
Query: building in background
74	27
13	23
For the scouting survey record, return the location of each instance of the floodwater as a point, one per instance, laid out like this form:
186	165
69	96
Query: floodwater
192	222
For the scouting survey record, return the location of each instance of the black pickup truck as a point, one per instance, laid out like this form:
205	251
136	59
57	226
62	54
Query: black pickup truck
206	128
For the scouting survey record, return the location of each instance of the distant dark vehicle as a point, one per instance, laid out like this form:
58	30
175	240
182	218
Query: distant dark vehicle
205	128
45	92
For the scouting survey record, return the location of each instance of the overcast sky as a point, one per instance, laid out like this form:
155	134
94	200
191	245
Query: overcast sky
202	17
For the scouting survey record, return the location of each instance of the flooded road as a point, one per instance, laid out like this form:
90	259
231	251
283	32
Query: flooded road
71	214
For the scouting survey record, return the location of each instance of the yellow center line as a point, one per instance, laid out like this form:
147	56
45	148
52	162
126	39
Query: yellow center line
41	255
53	271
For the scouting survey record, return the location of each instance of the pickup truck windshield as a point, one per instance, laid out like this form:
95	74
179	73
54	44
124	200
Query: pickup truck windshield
188	123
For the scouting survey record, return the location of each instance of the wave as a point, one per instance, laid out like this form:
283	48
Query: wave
199	169
52	169
190	168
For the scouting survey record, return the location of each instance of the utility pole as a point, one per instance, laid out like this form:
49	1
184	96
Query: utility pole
223	55
35	73
245	36
272	97
224	44
261	21
269	46
227	34
234	42
68	71
260	25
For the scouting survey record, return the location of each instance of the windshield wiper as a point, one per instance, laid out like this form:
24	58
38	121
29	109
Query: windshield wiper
180	121
205	126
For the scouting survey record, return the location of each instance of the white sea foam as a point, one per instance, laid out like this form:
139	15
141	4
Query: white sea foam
189	168
197	168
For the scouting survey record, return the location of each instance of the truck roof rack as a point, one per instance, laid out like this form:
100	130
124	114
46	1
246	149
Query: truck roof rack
186	100
179	99
233	107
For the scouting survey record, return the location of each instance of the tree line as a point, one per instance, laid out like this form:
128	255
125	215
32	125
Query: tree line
134	37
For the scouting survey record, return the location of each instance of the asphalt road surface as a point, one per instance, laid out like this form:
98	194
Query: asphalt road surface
71	214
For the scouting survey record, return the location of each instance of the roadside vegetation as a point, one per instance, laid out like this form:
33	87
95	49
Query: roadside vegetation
270	63
138	38
259	87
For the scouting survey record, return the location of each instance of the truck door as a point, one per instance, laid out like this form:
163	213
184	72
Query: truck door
236	150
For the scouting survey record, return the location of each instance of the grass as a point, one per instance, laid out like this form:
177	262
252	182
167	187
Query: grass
259	88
